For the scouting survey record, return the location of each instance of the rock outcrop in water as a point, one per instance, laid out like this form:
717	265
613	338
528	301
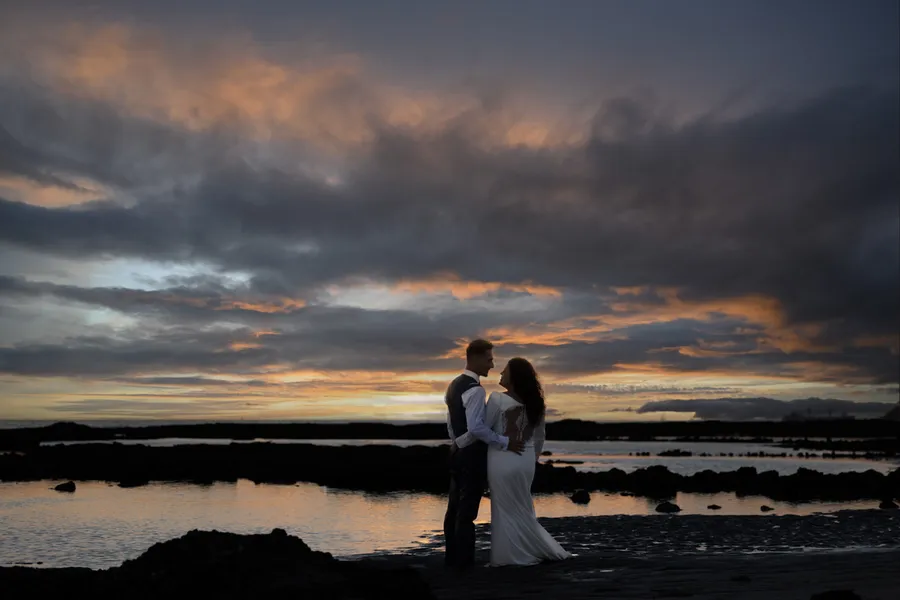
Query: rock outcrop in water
580	497
668	507
68	487
212	564
416	468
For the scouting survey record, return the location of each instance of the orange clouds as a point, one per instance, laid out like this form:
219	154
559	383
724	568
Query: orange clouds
459	288
333	102
892	342
765	313
238	346
558	333
49	195
279	305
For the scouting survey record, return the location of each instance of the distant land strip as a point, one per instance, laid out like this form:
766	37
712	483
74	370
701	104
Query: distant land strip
564	430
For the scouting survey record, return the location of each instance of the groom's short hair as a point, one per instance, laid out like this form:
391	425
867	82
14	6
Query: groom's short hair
478	347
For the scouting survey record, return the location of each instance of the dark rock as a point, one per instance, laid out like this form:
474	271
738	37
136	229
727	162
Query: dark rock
68	486
581	497
226	565
765	508
676	452
656	482
714	507
362	468
888	504
668	507
133	483
836	595
546	453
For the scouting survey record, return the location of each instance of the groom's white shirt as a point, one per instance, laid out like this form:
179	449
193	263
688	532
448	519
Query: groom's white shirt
473	401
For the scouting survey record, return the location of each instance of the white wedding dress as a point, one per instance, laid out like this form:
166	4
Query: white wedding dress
516	536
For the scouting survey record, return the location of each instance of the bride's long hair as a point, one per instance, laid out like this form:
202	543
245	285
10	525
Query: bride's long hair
528	388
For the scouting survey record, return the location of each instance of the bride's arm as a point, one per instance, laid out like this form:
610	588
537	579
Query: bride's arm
492	412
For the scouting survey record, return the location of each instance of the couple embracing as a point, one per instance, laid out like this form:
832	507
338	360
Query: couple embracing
497	443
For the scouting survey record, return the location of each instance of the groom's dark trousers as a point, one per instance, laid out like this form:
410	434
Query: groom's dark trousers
468	478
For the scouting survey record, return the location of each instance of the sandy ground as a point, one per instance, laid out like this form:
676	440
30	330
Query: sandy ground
872	575
704	557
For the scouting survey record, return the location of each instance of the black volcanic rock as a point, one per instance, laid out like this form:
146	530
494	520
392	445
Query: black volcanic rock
133	483
714	507
581	497
766	508
676	453
374	468
668	507
212	564
68	486
888	504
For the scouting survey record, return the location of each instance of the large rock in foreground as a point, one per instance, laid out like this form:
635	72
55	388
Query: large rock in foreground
225	565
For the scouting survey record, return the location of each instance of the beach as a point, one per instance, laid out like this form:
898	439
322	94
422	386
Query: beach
869	575
702	557
140	513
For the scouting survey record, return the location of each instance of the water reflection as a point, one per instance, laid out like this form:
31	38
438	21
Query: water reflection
101	525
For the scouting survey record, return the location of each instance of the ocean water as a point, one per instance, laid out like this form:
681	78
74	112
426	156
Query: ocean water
100	525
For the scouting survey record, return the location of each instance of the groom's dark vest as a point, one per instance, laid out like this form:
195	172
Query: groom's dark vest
453	398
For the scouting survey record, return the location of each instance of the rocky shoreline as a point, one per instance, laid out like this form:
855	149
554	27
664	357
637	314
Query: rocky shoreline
225	565
616	557
375	469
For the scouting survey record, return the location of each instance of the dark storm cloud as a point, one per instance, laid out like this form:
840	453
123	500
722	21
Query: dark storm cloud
50	139
856	365
745	409
793	203
797	203
191	381
106	356
316	337
603	389
142	407
183	337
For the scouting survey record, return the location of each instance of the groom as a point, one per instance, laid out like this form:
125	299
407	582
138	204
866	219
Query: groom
470	437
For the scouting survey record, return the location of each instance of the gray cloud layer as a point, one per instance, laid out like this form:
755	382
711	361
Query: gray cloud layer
747	409
796	202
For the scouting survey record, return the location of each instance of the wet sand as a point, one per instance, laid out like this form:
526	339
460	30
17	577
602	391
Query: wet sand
873	575
702	557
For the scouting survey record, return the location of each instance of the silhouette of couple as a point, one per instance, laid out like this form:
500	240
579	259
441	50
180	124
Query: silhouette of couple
497	443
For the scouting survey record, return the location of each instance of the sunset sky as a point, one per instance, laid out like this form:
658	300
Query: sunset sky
304	210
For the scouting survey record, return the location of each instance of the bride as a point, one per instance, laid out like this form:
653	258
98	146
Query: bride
516	536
